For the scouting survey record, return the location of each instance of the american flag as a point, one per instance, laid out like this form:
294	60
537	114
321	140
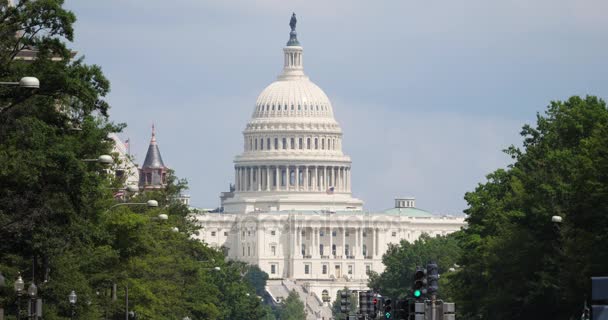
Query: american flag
330	190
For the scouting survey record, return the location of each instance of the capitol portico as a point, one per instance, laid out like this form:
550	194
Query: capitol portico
291	210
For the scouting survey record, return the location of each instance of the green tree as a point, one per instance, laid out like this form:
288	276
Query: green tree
257	278
292	308
401	260
516	264
352	309
54	222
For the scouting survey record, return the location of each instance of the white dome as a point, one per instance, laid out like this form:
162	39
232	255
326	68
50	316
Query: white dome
295	97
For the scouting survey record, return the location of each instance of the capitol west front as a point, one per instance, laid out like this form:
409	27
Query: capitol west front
291	210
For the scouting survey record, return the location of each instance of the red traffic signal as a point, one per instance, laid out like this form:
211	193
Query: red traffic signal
375	301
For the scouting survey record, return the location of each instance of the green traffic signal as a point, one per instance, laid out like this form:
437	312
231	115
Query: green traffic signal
417	293
387	315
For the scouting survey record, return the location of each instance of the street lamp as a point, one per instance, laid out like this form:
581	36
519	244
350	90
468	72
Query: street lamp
102	159
556	219
32	292
19	286
149	203
72	298
25	82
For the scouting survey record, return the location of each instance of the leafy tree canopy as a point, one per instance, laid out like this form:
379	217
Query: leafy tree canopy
516	263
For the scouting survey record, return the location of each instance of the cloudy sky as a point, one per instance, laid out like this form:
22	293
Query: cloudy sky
428	93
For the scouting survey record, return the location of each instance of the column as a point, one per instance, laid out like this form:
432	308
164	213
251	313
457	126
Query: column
276	175
343	242
324	184
356	247
376	238
268	178
287	177
250	184
341	178
259	177
316	237
373	246
331	242
297	173
298	242
236	178
315	179
305	177
348	179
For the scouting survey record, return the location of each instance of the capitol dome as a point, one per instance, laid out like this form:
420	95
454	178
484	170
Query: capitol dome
292	150
295	98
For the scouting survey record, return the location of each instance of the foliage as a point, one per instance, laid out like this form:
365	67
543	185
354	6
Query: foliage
352	309
55	226
257	278
401	260
292	308
516	263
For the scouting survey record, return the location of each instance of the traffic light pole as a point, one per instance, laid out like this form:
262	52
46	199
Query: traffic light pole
433	311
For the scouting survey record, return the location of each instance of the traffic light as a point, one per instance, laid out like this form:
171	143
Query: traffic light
364	302
402	309
420	283
388	309
374	310
344	301
432	271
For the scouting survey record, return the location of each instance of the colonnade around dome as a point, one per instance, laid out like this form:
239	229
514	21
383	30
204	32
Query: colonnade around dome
298	178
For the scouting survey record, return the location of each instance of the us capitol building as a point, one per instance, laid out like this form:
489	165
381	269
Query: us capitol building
291	210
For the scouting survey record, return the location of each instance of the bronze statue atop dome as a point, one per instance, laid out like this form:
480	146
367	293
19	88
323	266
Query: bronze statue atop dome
293	21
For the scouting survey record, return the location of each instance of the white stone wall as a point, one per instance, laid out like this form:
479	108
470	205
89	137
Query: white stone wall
273	241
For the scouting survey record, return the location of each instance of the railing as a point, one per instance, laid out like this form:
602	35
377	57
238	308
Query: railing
350	257
369	257
308	257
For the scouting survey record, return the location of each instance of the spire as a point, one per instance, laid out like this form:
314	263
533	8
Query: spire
153	158
293	35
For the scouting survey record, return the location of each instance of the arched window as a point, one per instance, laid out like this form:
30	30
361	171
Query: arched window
322	144
250	144
284	143
299	107
276	143
303	249
316	144
333	249
300	144
262	144
308	143
364	250
293	143
273	107
346	251
321	249
292	107
292	177
256	144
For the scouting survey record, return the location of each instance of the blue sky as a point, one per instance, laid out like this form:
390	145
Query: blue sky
428	93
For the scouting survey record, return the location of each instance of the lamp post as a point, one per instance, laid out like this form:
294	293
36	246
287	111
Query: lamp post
32	292
72	299
2	285
19	286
